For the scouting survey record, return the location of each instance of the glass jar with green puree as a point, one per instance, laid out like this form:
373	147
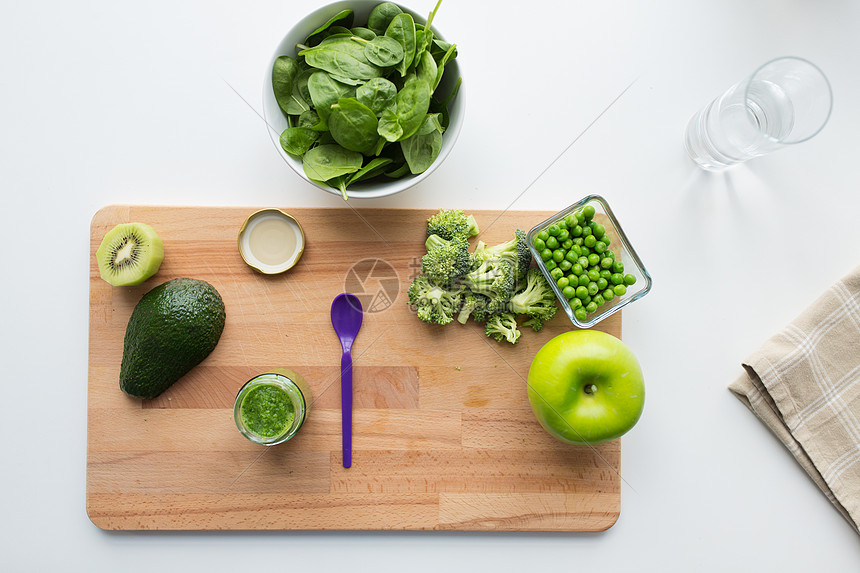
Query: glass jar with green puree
271	408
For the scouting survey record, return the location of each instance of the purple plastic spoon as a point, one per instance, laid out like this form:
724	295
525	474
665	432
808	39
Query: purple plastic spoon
346	317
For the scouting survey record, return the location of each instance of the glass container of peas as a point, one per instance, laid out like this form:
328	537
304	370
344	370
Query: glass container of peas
589	262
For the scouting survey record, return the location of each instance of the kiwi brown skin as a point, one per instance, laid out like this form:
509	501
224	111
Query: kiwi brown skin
129	254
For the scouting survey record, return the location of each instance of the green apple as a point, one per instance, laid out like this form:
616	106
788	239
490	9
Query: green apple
586	387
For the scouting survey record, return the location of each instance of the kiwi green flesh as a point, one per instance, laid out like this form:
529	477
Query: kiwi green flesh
129	254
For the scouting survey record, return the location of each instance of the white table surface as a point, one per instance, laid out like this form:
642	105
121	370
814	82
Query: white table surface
114	102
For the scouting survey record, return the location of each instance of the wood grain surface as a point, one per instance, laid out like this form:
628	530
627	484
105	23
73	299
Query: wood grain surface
444	437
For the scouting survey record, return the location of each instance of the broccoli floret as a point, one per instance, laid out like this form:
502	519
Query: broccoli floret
503	327
433	303
537	300
493	278
446	261
535	323
474	305
450	223
516	251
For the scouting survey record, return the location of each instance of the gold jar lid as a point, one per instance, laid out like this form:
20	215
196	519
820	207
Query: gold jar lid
271	241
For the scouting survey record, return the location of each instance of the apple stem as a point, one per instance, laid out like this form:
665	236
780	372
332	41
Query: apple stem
590	388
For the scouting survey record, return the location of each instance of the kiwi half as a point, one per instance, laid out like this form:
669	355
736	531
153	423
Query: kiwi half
129	254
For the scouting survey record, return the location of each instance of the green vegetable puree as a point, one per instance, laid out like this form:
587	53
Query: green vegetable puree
267	411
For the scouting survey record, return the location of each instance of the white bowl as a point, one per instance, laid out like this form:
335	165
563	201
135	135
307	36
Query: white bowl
277	122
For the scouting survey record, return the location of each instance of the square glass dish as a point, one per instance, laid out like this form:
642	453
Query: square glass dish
636	285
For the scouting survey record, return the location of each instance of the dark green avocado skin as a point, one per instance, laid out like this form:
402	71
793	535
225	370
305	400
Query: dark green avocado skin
171	330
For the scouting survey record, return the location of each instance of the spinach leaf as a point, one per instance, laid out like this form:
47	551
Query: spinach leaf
342	57
377	94
402	29
412	103
421	151
427	70
432	122
452	51
399	172
325	162
364	33
311	119
381	15
300	98
325	91
383	51
284	73
353	125
439	48
298	140
373	168
343	18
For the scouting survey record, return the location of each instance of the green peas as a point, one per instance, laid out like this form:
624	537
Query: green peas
571	256
583	279
581	314
584	250
583	261
576	249
605	239
599	247
593	259
577	240
558	255
562	282
629	279
593	289
573	280
619	289
602	283
569	292
577	269
598	300
616	278
588	212
606	263
550	264
608	294
553	230
589	241
567	244
587	299
581	292
598	230
556	273
591	307
617	267
586	232
576	230
570	220
580	217
562	225
563	236
593	274
575	303
552	243
605	274
543	235
546	254
539	244
565	265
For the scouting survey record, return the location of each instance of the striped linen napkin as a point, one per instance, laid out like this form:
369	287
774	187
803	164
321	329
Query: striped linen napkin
804	384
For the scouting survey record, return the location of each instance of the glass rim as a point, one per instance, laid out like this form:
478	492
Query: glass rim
748	81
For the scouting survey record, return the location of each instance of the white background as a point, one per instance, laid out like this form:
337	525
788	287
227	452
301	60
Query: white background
120	102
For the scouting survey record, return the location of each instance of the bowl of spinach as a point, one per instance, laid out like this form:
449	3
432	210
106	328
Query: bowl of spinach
363	98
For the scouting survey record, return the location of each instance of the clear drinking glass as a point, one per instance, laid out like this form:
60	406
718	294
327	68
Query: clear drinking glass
785	101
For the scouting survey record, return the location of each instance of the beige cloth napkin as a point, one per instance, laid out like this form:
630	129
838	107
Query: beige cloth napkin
804	383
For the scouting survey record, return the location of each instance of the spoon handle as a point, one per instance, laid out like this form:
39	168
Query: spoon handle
346	406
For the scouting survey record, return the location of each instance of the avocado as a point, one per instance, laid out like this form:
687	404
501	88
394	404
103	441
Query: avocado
171	330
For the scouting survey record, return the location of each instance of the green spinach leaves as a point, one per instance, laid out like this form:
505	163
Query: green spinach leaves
360	99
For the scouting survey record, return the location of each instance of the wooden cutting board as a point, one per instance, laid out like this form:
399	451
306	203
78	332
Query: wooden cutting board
443	434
